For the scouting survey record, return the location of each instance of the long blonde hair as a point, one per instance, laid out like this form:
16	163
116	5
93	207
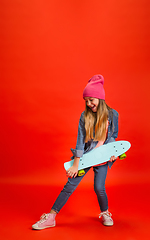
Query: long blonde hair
96	122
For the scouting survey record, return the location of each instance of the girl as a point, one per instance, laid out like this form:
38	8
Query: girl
98	125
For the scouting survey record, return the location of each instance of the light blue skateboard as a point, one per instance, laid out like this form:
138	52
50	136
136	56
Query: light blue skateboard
100	155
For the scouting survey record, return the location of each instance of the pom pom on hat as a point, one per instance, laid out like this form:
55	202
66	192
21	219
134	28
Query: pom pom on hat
95	88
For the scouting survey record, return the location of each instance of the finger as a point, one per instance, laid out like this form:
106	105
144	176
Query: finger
72	174
68	174
75	175
113	158
68	171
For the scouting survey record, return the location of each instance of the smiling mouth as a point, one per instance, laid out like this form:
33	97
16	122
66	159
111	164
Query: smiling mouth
93	107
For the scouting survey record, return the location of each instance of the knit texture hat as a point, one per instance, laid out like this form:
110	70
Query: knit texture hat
94	88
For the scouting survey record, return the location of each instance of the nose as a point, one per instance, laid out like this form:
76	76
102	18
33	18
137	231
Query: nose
88	103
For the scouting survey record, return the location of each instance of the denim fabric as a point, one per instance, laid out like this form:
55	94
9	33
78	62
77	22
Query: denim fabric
100	173
82	147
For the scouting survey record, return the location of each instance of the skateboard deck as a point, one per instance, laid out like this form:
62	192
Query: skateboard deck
100	154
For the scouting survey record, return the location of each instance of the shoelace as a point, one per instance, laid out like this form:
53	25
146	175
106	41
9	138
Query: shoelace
107	214
43	218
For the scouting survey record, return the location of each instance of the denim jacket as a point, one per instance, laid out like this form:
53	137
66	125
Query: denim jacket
82	147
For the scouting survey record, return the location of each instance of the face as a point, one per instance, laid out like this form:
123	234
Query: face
92	103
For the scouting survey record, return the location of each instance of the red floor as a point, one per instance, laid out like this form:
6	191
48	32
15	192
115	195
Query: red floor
22	205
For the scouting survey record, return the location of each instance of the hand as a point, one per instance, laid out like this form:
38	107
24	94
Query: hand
113	158
72	171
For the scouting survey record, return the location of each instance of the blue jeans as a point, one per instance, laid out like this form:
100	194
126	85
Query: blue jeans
100	173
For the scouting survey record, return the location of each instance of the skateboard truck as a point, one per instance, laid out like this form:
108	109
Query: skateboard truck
122	156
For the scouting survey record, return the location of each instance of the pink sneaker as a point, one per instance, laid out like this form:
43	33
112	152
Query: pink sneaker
106	218
46	221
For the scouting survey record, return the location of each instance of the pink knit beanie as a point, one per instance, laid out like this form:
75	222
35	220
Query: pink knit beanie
94	88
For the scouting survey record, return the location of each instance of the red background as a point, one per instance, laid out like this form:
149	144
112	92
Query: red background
49	50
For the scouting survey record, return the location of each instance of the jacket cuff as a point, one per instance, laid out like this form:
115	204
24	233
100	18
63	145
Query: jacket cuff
77	153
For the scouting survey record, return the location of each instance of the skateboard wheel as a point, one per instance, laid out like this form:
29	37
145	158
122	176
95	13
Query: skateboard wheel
81	173
122	156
